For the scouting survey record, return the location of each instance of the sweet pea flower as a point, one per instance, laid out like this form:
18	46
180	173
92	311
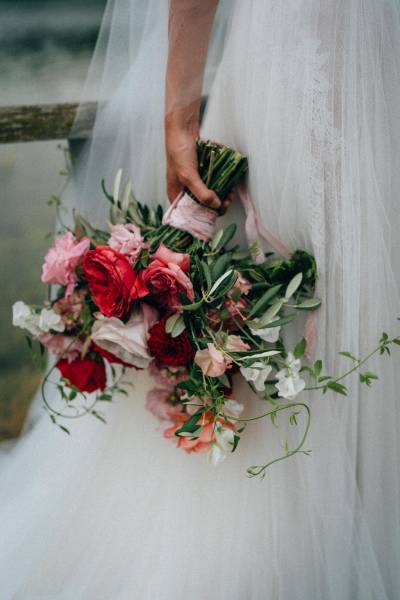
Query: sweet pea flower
242	285
157	403
62	346
211	361
268	334
235	343
290	384
50	320
128	240
25	318
257	374
62	259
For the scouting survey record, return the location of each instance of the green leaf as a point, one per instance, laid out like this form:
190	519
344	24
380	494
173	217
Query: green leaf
348	355
236	439
106	397
337	387
219	267
189	385
293	285
207	273
300	348
224	380
263	302
192	307
270	314
368	377
175	325
190	425
226	237
310	304
317	367
216	239
64	429
219	281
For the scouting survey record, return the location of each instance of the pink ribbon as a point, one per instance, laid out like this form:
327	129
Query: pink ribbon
198	220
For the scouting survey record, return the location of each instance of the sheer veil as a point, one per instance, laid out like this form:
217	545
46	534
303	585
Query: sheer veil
309	91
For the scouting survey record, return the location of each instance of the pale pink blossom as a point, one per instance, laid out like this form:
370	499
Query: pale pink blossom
62	346
235	343
167	376
128	240
157	403
62	259
242	285
70	308
211	361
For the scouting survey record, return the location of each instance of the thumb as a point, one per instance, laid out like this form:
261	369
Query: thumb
199	189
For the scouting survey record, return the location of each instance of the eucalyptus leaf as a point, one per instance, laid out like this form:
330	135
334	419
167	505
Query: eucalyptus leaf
310	304
219	281
117	184
293	285
265	299
270	314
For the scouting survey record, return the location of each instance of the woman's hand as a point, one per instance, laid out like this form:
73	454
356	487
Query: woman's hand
182	167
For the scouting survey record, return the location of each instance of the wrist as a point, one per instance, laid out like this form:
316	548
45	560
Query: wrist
183	120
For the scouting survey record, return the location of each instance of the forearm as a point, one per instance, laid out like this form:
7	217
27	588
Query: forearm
190	23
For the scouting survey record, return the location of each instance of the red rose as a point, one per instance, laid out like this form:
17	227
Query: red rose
166	276
87	375
113	283
169	351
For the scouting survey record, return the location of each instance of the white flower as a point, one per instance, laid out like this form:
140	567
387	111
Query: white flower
127	341
50	320
233	408
24	317
290	384
268	334
257	373
223	445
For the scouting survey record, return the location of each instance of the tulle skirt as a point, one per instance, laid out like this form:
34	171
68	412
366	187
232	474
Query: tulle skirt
310	94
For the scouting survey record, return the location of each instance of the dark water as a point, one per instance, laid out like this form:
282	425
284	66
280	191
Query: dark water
45	49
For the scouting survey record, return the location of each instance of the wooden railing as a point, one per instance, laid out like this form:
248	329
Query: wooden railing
45	122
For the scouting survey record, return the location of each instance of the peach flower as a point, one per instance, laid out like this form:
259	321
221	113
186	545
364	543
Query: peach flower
211	361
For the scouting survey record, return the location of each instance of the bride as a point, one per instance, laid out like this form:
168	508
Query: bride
309	91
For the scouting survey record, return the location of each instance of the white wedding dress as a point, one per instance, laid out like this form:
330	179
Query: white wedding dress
309	90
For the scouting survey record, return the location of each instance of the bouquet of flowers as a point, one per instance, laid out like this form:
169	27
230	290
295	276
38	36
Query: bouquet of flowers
162	291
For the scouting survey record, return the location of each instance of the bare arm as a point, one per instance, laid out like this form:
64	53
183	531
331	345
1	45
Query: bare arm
190	23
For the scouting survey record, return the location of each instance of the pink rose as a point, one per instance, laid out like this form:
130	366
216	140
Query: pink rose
58	344
211	361
167	256
128	240
62	259
166	276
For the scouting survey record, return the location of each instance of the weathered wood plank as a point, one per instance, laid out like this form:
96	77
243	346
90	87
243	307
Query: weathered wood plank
45	122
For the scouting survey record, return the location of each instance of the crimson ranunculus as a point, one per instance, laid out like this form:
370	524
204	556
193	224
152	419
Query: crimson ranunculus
166	276
86	374
113	283
167	350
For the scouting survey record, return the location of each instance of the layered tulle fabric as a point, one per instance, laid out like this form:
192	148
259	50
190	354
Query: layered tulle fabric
309	91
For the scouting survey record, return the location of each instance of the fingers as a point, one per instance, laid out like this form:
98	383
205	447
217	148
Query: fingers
199	189
227	202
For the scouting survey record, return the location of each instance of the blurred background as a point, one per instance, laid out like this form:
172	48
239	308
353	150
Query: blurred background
45	47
